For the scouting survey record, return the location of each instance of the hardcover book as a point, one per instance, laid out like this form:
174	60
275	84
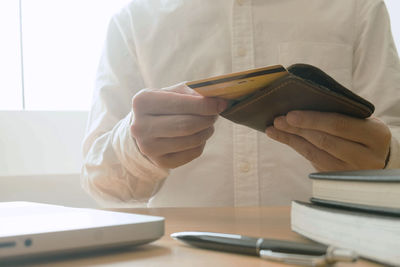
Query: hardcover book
369	190
372	236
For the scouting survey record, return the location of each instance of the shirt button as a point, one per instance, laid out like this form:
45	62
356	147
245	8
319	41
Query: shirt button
242	52
245	167
240	2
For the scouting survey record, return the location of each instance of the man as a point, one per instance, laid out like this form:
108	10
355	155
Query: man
152	140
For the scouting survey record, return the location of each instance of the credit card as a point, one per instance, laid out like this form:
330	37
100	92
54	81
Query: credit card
237	85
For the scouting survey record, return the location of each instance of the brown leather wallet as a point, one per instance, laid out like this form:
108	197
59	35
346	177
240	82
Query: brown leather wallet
305	87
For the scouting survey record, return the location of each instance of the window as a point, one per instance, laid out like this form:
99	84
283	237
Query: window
61	46
393	7
10	56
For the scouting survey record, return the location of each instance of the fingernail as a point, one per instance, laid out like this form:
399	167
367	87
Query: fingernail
270	131
222	105
189	90
293	118
279	122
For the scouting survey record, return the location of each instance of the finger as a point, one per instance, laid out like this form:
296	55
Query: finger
177	159
162	146
345	150
170	126
358	130
164	102
315	155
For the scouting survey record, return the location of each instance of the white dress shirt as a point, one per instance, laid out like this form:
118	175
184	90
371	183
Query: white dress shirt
159	43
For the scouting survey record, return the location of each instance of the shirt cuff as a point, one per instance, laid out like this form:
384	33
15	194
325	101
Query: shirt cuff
130	156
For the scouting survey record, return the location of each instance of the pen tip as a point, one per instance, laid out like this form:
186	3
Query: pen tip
174	235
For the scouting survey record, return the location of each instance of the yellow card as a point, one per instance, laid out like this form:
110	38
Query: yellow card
236	85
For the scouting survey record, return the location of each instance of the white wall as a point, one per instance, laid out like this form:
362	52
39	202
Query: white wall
60	189
40	157
41	142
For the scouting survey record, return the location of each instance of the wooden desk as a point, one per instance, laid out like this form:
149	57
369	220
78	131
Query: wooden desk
272	222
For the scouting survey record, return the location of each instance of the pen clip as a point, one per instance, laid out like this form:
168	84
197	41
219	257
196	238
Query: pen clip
332	255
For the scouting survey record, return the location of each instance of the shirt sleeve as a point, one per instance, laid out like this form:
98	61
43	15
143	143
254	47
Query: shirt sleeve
376	68
114	171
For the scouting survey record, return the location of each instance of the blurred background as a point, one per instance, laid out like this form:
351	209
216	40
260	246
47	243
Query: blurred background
42	120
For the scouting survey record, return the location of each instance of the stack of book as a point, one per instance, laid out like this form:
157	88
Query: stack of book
358	210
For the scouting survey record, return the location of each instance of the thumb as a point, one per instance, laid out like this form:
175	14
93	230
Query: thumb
181	88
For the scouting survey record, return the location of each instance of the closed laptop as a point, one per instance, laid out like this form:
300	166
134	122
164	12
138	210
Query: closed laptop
32	229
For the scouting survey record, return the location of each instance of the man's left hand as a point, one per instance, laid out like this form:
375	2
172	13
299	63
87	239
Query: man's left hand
332	141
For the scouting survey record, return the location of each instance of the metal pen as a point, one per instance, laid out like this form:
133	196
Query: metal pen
270	249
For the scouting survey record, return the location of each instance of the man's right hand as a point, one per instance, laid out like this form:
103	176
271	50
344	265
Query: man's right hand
171	125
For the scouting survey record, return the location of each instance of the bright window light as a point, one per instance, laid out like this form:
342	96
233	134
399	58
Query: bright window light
394	12
10	60
62	42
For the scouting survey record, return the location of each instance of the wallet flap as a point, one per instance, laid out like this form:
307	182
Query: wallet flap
318	77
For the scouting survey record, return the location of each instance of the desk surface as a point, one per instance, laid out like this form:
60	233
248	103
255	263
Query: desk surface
271	222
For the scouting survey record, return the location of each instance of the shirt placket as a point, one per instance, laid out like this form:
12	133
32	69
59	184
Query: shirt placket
245	157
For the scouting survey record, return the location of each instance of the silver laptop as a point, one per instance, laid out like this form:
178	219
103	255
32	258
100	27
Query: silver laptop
30	229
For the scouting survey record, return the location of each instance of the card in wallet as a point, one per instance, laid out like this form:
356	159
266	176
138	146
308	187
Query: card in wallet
274	91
